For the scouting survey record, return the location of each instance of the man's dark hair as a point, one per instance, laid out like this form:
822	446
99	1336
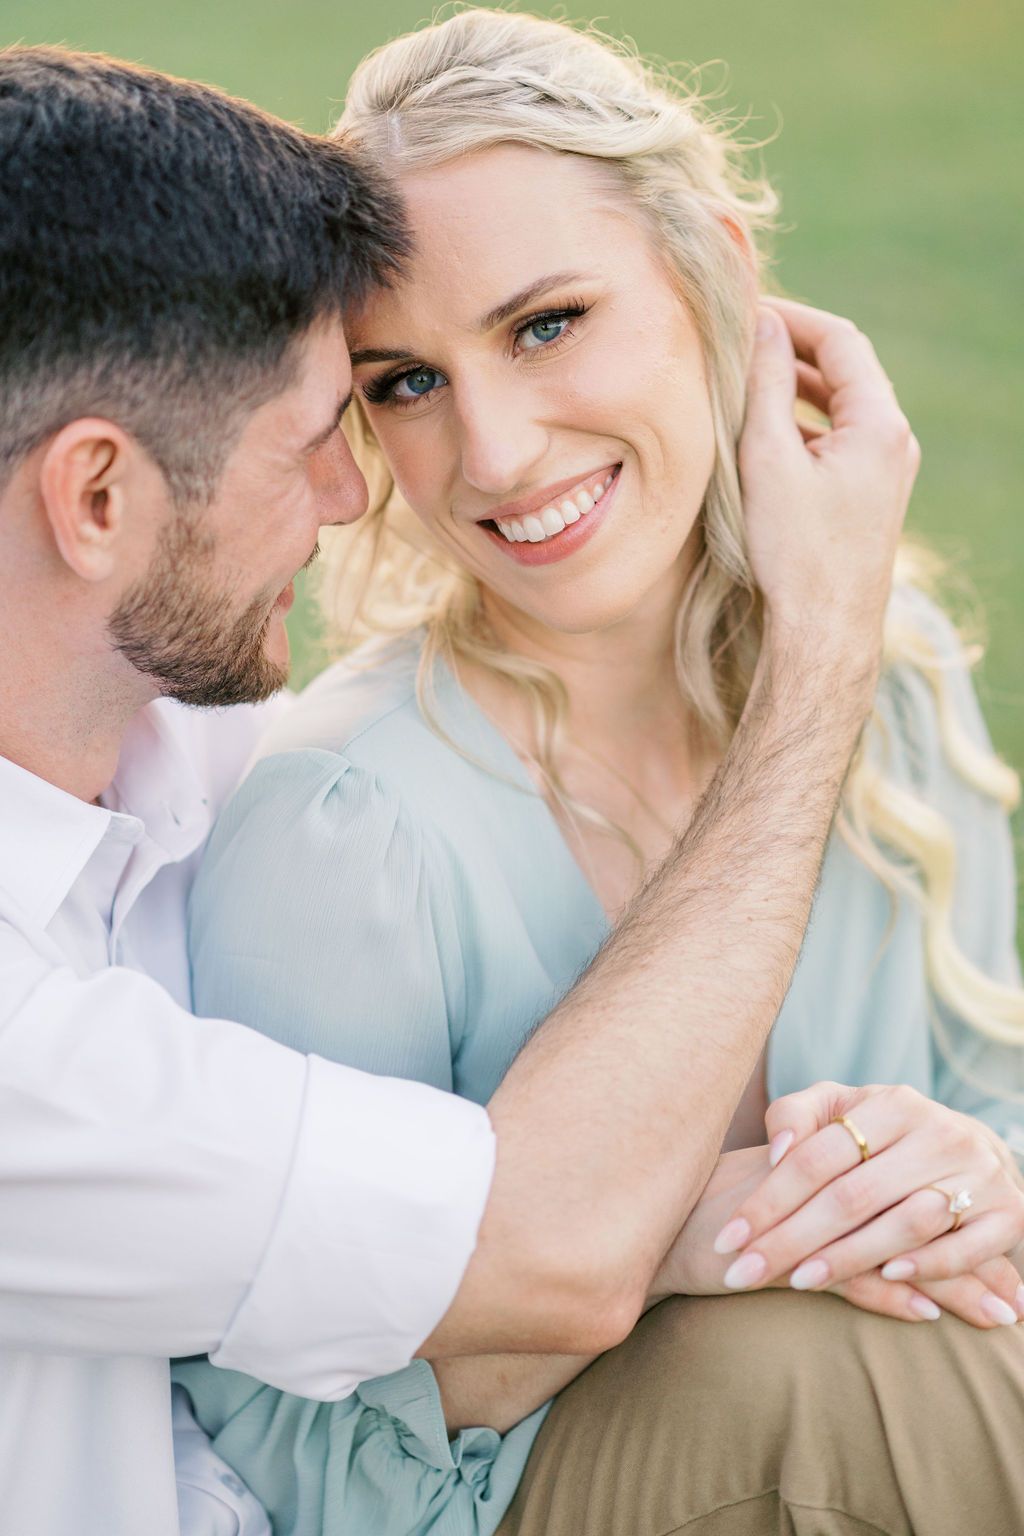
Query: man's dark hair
161	247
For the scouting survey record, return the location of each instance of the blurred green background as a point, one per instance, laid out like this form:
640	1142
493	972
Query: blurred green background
897	143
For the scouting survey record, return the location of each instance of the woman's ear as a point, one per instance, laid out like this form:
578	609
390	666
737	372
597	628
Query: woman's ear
740	238
82	483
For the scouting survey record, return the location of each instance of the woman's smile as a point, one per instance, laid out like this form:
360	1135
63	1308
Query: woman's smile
540	382
564	520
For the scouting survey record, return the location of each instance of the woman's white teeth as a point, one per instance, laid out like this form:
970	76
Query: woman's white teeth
536	527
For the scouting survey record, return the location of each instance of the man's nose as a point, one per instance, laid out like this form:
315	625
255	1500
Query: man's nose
501	436
338	483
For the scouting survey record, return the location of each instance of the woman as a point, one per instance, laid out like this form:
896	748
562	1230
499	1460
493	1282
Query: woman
454	818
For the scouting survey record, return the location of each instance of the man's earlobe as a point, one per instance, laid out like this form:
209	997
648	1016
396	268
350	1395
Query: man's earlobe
82	485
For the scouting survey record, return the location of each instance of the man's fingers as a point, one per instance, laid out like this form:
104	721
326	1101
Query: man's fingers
859	393
811	387
771	389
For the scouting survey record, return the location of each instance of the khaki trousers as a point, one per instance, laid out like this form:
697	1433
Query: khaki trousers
784	1413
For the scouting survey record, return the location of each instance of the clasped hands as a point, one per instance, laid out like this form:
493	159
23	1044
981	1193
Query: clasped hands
811	1212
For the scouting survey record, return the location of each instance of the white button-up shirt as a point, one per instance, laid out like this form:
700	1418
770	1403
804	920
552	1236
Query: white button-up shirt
172	1185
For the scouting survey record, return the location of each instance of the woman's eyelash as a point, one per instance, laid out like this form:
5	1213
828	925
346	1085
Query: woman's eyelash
379	391
567	312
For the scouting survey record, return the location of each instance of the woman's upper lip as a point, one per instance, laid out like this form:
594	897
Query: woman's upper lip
551	493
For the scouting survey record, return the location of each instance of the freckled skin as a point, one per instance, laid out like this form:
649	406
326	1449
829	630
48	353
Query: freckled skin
623	384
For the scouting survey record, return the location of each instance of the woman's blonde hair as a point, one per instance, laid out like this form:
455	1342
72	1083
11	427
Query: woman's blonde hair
484	78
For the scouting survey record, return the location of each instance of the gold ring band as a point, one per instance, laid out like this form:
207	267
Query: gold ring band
858	1136
955	1204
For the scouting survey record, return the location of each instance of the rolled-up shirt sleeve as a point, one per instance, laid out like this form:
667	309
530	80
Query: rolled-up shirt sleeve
394	1235
172	1185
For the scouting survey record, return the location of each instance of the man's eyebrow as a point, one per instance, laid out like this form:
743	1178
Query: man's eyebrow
503	311
329	431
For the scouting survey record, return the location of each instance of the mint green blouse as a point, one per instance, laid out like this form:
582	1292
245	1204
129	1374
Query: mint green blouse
376	896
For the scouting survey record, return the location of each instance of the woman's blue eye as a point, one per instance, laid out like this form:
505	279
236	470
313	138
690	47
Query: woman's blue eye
416	385
545	330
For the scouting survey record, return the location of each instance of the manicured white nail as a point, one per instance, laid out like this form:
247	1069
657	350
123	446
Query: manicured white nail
779	1146
1019	1299
807	1276
922	1307
899	1269
732	1236
765	324
746	1271
998	1310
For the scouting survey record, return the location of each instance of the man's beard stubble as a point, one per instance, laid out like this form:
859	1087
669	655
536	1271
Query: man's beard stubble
171	627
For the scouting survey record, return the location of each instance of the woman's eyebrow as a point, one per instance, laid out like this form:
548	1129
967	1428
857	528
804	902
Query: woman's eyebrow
380	355
487	322
509	307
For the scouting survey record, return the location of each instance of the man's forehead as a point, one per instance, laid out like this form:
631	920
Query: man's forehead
312	403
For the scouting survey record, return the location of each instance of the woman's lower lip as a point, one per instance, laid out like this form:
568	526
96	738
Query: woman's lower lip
286	598
563	544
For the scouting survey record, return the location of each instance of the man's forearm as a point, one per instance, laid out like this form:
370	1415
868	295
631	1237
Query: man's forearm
673	1012
497	1391
610	1121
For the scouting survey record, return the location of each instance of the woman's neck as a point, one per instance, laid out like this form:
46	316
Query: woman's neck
621	681
631	750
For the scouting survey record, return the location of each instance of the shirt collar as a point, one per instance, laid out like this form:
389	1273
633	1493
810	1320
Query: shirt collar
47	836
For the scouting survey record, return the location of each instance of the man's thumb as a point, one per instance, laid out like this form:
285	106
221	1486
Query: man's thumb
771	388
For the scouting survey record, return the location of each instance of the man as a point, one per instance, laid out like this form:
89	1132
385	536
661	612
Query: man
173	271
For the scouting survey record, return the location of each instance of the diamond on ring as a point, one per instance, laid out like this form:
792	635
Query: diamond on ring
956	1203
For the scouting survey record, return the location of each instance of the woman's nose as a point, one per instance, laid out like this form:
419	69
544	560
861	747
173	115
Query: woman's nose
502	436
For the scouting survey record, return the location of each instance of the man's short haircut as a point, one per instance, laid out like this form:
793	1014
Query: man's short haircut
162	245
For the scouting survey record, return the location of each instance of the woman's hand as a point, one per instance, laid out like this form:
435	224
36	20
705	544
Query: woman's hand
825	1215
692	1268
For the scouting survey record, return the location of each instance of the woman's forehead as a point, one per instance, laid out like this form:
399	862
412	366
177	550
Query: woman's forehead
493	224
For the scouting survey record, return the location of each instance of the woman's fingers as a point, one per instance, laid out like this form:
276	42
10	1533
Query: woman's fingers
987	1298
820	1150
877	1212
873	1294
884	1184
988	1235
926	1213
796	1116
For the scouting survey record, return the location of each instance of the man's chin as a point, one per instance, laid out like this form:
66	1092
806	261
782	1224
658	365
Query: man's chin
246	679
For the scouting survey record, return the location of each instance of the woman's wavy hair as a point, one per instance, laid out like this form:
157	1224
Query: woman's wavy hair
486	77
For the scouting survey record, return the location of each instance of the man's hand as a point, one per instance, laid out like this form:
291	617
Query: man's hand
610	1121
824	511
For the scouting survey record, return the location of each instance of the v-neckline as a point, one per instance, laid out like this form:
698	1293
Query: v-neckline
511	766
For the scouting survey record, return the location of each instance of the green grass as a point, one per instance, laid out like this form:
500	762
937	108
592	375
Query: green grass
897	142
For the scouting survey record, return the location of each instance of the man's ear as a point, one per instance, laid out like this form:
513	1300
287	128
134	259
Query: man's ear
83	483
